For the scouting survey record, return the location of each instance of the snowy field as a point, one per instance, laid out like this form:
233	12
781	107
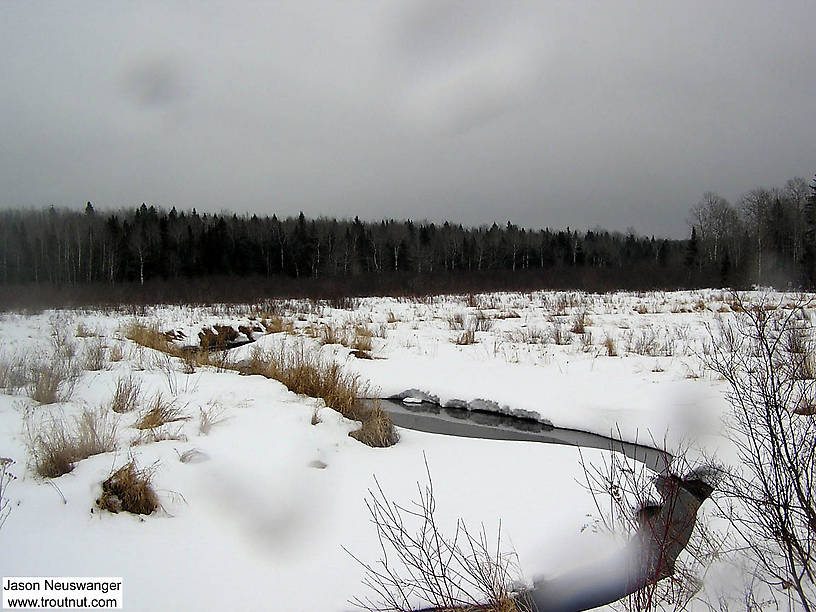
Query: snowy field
258	517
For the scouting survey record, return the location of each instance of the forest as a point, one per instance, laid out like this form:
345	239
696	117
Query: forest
53	255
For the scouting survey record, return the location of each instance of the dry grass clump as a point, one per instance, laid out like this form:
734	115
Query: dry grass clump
160	412
49	382
64	347
611	348
482	321
329	334
151	337
56	445
116	353
94	356
148	436
126	396
560	335
13	372
211	415
529	335
468	337
360	338
275	324
580	323
456	321
306	373
377	429
82	331
129	489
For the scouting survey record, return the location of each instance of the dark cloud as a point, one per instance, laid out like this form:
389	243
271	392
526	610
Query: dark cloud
576	113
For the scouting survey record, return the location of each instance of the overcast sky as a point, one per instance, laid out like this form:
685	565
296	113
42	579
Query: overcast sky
545	113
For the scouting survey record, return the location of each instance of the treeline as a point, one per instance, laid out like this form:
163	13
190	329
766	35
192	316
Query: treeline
767	238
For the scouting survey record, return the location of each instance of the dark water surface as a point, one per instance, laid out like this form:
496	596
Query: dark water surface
432	418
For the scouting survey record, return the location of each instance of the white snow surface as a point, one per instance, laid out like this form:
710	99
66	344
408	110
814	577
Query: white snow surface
258	519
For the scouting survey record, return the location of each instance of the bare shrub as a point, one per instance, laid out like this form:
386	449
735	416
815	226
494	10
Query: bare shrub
57	444
769	491
657	513
51	381
6	478
160	412
94	356
128	489
126	396
645	343
421	567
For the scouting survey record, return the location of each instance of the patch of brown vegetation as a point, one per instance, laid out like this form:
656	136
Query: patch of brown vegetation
126	396
377	429
128	489
467	337
160	412
56	445
306	373
151	337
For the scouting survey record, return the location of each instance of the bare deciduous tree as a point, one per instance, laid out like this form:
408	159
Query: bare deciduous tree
764	354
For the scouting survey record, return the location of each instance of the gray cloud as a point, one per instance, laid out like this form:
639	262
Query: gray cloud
577	114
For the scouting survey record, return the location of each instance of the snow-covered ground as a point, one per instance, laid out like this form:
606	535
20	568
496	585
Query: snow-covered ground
260	520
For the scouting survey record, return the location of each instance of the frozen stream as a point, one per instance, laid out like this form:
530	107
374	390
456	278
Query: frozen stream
432	418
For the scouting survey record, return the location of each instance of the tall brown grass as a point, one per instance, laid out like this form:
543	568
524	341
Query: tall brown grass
94	356
51	381
13	372
305	372
149	336
126	396
58	443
